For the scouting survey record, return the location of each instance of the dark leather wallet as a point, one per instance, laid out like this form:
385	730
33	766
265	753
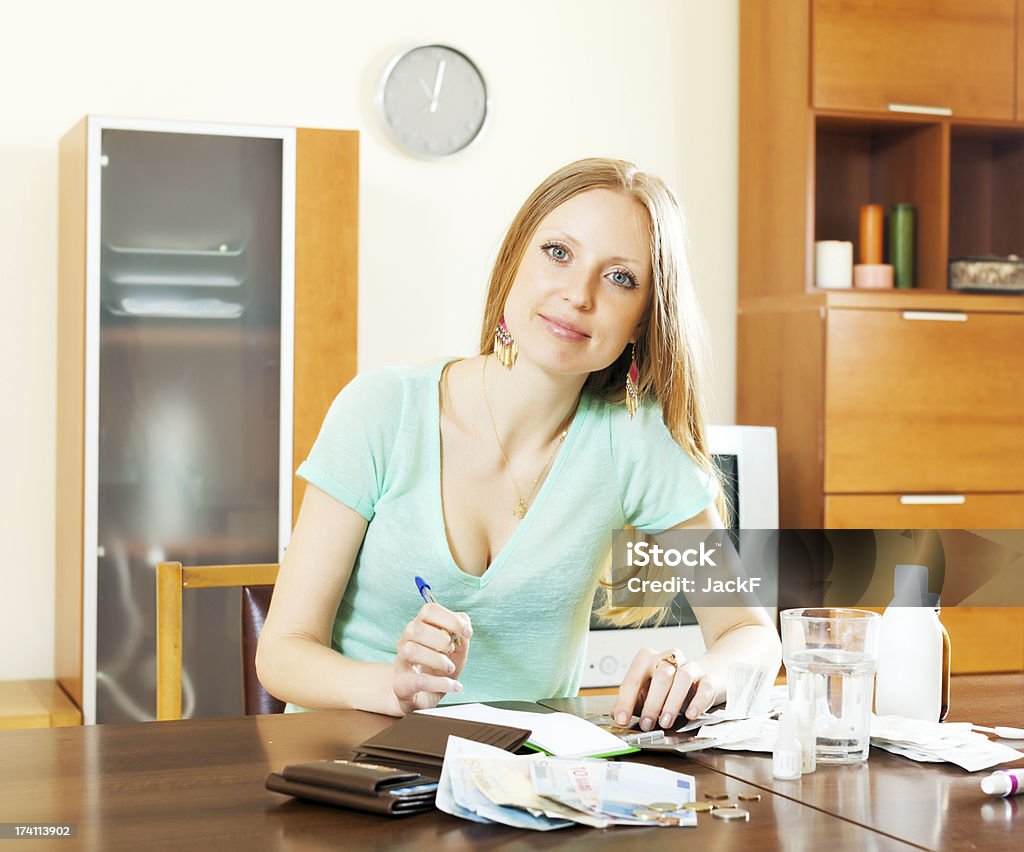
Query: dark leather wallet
370	787
419	741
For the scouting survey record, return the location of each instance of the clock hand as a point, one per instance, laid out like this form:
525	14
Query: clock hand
425	87
437	86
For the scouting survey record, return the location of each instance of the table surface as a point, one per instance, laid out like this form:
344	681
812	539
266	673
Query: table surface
199	784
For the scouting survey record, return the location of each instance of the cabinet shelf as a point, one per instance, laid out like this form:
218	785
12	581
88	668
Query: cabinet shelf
866	160
964	179
886	300
197	550
189	335
986	185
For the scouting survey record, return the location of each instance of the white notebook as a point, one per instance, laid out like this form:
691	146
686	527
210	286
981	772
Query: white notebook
559	734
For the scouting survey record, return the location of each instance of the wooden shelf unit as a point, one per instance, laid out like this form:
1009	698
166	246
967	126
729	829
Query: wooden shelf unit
877	395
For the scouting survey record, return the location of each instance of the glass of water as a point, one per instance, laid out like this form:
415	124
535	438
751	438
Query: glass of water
830	656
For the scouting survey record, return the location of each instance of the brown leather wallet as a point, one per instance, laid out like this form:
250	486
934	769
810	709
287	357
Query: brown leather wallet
419	740
353	784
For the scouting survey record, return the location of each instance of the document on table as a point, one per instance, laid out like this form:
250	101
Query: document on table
559	734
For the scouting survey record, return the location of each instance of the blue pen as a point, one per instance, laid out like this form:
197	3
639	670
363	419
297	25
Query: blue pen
424	588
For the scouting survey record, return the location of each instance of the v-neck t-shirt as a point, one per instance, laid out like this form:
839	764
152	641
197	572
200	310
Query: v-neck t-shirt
378	452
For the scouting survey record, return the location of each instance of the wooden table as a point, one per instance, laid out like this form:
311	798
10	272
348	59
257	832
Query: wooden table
931	805
199	784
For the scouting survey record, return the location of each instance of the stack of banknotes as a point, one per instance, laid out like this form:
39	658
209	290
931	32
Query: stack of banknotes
485	784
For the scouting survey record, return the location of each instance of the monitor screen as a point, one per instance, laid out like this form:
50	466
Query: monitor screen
681	613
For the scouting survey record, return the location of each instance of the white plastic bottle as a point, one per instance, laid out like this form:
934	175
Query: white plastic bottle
787	756
909	678
802	708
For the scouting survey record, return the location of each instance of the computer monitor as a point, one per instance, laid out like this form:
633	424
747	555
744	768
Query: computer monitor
748	460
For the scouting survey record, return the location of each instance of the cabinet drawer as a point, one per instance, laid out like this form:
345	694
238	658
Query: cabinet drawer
985	639
957	54
923	402
982	638
922	512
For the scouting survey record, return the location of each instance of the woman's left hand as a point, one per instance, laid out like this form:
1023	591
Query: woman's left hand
661	685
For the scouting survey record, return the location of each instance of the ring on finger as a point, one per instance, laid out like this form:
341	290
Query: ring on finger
671	659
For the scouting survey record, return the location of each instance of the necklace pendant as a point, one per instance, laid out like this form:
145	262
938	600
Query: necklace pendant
520	510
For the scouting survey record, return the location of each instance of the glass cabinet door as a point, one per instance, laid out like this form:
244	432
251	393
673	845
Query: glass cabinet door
189	399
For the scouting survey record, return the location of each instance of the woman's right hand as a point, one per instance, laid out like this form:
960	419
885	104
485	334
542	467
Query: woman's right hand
428	663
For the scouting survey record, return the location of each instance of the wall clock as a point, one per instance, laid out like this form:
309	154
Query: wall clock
434	100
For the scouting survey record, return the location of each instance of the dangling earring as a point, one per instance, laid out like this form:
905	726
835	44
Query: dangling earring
504	345
632	386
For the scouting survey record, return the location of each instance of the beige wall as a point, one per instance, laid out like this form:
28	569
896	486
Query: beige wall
650	80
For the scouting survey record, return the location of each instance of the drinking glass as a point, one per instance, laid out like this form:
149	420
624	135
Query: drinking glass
830	656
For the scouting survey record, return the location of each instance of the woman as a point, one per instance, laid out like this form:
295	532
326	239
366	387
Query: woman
499	479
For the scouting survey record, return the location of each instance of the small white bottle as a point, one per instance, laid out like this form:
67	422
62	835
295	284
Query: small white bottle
787	755
909	674
803	711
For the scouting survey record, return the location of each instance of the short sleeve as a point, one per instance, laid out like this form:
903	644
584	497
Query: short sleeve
661	485
350	456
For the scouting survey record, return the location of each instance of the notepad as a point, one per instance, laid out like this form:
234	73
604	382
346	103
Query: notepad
558	734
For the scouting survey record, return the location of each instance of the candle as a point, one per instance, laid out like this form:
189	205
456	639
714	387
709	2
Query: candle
833	264
901	244
872	276
870	249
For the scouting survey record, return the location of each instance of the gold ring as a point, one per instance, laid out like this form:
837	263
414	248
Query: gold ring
670	658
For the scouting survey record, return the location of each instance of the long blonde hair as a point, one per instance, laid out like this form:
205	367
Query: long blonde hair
672	346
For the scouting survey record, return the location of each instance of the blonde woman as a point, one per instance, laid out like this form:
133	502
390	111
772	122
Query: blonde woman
499	479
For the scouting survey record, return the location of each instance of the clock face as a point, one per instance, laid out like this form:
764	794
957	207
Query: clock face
434	100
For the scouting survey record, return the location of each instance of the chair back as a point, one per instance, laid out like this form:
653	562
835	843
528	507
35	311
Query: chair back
255	603
171	580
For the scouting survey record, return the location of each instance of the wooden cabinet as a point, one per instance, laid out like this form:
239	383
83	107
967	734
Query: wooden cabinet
900	408
947	56
206	320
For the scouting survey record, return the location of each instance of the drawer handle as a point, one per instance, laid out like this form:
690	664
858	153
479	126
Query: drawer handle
932	499
935	316
919	109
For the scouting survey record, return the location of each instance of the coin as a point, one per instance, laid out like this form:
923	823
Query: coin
718	805
716	795
700	807
731	813
663	807
670	820
750	797
646	815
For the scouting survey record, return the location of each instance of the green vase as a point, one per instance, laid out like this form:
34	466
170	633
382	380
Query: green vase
901	244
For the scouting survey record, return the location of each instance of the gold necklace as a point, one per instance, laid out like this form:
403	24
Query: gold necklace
521	504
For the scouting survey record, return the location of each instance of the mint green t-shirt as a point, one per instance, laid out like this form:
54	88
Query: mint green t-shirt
378	452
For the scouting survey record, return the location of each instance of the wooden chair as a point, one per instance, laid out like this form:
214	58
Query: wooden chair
171	579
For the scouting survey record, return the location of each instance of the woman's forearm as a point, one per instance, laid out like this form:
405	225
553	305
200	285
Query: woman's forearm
302	671
755	644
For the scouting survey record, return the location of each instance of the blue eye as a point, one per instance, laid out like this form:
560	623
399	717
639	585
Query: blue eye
556	252
623	279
